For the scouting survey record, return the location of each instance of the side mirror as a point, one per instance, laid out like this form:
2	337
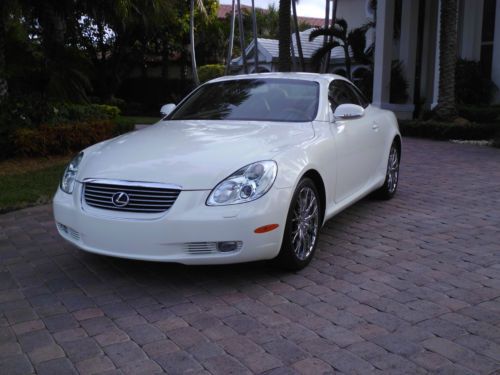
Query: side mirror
348	112
167	109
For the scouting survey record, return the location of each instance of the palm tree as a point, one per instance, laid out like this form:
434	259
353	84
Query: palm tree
254	30
242	38
201	8
353	42
334	19
446	108
297	35
323	67
231	38
285	60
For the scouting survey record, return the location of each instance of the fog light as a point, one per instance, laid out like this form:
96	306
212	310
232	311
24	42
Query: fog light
227	246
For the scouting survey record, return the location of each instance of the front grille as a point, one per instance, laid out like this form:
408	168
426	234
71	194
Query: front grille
198	248
137	198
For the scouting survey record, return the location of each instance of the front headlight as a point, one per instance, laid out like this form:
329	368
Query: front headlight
69	176
247	184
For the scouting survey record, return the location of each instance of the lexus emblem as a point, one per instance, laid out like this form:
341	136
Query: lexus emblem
120	199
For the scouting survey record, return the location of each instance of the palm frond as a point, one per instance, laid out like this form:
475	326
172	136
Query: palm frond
357	42
322	51
334	32
342	23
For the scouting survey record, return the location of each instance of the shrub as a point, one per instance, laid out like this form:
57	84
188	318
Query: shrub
479	114
446	131
61	139
211	71
69	112
472	87
28	112
399	85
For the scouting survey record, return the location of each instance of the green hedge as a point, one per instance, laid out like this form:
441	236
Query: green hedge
211	71
446	131
22	118
479	114
62	139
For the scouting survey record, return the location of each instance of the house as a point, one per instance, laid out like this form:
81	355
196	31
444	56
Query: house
268	56
415	44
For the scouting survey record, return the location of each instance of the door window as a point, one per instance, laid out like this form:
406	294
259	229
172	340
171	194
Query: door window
340	92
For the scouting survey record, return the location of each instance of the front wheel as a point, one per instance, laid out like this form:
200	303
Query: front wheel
388	190
302	227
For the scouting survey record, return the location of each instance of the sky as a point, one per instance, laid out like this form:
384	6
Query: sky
305	8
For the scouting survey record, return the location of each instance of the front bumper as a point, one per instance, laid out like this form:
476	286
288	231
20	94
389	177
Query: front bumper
171	237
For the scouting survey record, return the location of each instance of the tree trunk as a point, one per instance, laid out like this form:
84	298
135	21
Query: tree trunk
332	23
194	68
285	61
324	67
231	39
242	38
297	36
4	88
255	46
446	108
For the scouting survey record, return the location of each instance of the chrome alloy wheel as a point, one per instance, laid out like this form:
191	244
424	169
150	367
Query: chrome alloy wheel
305	223
393	170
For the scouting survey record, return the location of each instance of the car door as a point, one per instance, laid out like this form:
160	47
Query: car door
355	142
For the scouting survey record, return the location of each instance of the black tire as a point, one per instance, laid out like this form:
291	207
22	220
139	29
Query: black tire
388	190
302	227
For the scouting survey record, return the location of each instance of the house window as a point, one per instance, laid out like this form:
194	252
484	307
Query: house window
487	36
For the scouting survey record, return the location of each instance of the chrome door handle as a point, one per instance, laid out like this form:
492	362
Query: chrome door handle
375	126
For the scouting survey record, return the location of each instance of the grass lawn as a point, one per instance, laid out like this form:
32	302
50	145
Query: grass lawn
29	182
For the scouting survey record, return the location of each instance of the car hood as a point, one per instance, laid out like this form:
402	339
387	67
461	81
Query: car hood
193	154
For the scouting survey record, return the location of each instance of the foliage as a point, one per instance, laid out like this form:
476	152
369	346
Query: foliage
449	130
472	87
479	114
145	96
399	85
61	139
208	72
27	112
496	140
352	41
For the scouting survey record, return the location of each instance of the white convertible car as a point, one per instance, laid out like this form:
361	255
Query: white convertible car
245	168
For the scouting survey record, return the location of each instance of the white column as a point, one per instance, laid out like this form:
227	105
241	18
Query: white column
408	43
470	29
495	66
383	52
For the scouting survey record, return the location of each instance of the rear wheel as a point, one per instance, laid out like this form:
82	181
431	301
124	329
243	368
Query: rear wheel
302	227
388	190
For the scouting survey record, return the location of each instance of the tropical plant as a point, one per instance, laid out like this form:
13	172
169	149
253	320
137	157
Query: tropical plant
201	8
297	35
446	108
353	43
472	87
231	38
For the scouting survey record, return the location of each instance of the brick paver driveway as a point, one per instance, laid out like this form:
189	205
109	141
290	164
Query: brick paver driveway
408	286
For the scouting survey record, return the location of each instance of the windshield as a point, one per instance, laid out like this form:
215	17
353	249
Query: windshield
252	99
